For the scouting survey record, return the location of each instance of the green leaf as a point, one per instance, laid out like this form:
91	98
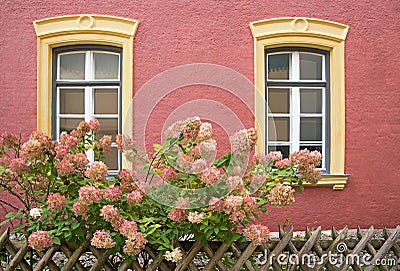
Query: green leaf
57	240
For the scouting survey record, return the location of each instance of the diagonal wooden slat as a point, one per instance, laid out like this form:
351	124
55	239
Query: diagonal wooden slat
158	258
100	261
395	247
331	249
277	250
75	256
385	248
360	245
46	258
306	248
243	258
68	252
215	259
5	236
370	249
99	254
189	257
18	258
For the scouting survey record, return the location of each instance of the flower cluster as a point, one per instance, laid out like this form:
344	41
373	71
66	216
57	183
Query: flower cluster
102	239
210	198
258	233
40	240
56	202
174	255
281	195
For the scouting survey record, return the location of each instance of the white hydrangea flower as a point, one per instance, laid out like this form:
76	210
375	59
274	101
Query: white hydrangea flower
173	256
35	212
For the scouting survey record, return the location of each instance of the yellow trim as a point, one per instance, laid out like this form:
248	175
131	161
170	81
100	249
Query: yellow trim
81	29
313	33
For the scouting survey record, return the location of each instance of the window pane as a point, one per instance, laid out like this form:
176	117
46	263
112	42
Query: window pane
106	66
310	100
281	130
285	150
68	124
72	66
310	67
111	159
278	66
72	101
106	101
279	100
108	127
310	129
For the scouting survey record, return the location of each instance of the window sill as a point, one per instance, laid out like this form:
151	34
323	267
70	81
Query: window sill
338	182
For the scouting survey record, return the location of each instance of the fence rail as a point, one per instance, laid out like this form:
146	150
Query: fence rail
364	250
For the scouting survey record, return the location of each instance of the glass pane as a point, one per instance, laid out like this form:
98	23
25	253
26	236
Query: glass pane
310	67
108	127
285	150
106	101
106	66
72	66
111	159
310	100
69	124
310	129
278	66
72	101
281	130
279	100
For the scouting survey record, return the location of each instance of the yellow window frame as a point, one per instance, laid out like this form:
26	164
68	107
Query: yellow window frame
312	33
78	30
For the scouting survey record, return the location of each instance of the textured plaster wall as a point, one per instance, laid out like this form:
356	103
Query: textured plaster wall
173	33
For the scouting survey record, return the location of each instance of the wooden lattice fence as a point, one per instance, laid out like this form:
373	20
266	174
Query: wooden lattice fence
314	251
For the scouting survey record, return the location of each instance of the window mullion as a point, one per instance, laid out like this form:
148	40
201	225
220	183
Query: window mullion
295	119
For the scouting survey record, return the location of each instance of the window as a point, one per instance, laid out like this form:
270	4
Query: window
84	61
299	75
296	91
86	85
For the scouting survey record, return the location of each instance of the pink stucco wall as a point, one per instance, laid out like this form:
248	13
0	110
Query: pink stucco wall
173	33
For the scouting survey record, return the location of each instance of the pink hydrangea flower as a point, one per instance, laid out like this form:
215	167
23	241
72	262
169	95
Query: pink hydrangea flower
281	195
174	130
274	156
307	163
70	142
240	144
178	215
66	166
195	217
18	165
98	171
105	143
128	228
134	197
205	131
89	194
39	146
8	139
169	174
284	163
102	239
237	216
112	193
94	125
249	203
134	244
233	203
118	141
56	202
126	180
258	233
183	203
40	240
80	209
111	214
190	128
211	176
216	204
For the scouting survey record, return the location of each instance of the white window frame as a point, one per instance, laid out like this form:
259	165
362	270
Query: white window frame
89	96
295	115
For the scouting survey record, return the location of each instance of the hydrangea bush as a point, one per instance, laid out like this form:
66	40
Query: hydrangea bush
178	190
